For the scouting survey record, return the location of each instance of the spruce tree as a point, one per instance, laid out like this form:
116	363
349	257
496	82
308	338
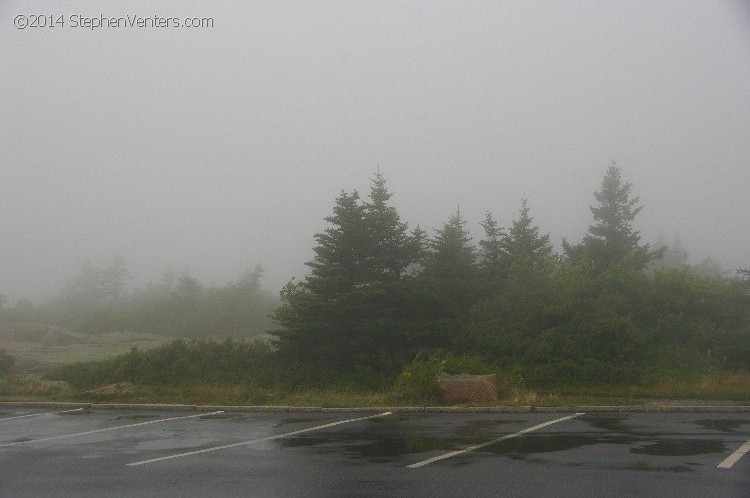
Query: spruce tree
341	254
490	250
611	237
452	256
344	314
491	261
316	319
523	241
391	250
448	285
114	278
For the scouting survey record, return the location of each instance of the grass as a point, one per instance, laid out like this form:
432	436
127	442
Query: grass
729	389
16	388
732	386
255	381
232	395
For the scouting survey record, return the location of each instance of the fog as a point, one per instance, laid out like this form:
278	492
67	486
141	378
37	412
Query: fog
214	149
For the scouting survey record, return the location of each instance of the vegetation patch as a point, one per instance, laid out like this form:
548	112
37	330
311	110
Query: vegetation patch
118	389
385	310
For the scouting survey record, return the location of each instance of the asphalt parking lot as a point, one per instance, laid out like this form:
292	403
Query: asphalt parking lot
143	452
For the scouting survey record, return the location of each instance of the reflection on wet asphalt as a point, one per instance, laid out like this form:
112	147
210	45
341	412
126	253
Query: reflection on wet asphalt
399	437
722	425
681	447
625	454
136	416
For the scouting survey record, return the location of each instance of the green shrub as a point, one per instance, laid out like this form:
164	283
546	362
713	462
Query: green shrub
179	363
418	381
7	362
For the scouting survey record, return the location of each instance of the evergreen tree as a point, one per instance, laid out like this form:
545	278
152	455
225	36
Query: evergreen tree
249	282
390	248
344	314
317	313
611	237
114	278
451	254
490	249
447	287
188	292
341	259
512	316
421	242
86	289
523	241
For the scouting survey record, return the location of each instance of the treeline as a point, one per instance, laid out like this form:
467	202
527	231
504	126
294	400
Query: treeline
379	295
97	300
385	306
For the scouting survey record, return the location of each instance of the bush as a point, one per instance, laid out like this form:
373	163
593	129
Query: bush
180	362
418	381
7	362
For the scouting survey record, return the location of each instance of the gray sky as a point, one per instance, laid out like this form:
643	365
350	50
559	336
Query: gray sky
214	149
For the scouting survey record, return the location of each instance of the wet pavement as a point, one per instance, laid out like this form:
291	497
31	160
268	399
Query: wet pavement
95	452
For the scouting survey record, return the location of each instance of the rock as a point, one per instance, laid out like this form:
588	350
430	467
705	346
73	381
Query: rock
468	388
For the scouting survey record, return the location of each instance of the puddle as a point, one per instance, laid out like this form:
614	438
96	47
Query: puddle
385	447
136	417
543	444
376	447
722	424
221	416
681	447
379	445
652	468
476	427
20	440
297	420
388	448
609	423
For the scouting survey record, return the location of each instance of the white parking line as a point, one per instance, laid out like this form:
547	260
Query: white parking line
269	438
105	430
488	443
40	414
732	459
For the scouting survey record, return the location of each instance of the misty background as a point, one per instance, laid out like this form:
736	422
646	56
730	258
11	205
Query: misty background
211	150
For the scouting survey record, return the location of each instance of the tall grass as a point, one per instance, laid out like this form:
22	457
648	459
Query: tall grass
179	363
250	373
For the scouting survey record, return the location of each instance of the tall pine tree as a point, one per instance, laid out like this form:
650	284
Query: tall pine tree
344	314
611	237
448	285
523	241
452	255
391	250
490	250
491	261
